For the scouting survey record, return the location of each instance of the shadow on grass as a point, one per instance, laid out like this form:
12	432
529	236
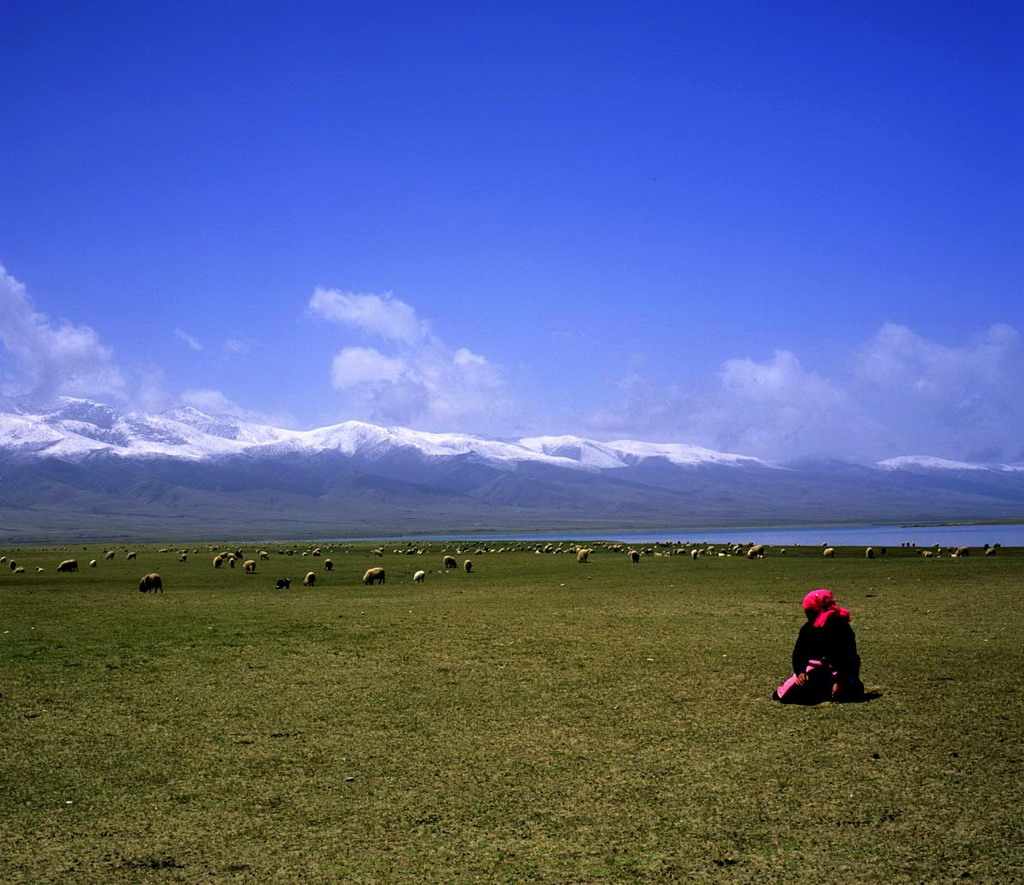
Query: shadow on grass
865	698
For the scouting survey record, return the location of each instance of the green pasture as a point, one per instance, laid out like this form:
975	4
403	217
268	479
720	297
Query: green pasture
537	720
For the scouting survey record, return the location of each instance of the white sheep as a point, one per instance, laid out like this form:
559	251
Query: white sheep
420	576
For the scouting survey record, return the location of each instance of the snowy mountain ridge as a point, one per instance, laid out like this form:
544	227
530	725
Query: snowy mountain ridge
77	428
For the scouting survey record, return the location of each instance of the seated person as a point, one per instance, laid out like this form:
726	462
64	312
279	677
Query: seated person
825	662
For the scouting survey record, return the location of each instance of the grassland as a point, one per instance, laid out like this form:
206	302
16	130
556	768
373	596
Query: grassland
538	720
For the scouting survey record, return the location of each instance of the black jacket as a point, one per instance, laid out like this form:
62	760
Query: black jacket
834	645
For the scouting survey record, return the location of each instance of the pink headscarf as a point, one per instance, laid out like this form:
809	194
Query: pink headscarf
824	604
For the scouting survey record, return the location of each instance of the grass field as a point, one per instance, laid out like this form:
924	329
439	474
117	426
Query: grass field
538	720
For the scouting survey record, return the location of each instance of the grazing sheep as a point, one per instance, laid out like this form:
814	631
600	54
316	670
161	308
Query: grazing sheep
264	554
92	563
183	557
249	566
468	565
927	554
694	554
582	554
19	570
282	584
109	554
218	561
963	551
990	551
231	560
869	552
131	555
309	580
756	551
450	562
420	576
151	582
39	569
328	564
634	556
374	576
830	552
68	565
14	566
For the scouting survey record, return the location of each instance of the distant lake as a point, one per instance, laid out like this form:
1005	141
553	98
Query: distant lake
1007	535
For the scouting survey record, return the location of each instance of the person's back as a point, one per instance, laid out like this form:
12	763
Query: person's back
825	660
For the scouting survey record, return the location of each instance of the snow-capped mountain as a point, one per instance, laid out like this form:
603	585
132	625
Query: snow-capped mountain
77	428
83	469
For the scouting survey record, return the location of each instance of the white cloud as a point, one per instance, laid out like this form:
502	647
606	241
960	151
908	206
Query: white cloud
359	365
236	346
902	394
214	402
421	382
961	399
382	315
52	358
192	342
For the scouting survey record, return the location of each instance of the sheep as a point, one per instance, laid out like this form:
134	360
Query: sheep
68	565
374	576
231	560
309	580
328	564
39	569
131	555
183	557
14	566
694	554
963	551
151	582
19	570
264	554
756	551
282	584
582	554
450	562
990	551
869	552
829	552
468	565
109	554
420	576
92	563
218	561
634	556
249	566
927	554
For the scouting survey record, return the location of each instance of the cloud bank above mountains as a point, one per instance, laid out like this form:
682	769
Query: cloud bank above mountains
897	393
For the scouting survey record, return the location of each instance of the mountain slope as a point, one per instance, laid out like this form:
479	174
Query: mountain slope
84	470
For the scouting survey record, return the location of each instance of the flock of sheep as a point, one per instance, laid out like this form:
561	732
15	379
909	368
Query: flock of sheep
153	583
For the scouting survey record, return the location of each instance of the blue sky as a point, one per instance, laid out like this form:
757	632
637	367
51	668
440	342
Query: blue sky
775	228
